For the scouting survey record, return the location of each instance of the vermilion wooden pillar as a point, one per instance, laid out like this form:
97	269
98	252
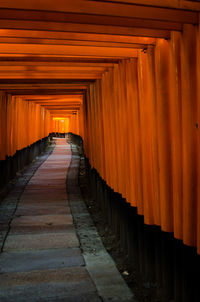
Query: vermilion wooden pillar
22	124
163	133
152	117
145	139
175	107
118	128
131	194
198	138
189	133
136	148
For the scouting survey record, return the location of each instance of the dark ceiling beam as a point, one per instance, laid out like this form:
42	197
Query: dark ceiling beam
64	18
105	9
137	30
175	4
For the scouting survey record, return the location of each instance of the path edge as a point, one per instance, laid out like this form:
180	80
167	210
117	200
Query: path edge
110	285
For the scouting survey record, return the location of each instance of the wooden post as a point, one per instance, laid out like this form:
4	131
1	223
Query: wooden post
189	133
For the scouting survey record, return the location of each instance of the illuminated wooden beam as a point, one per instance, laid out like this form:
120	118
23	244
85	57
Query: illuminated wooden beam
61	112
31	75
104	8
53	97
36	68
51	86
20	92
69	42
29	49
60	108
75	36
49	99
57	102
56	64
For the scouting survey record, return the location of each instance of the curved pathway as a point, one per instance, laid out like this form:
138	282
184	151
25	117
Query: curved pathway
44	257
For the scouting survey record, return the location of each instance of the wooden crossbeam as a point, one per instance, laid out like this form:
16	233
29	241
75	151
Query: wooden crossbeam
29	49
61	111
139	30
61	98
36	68
80	19
52	35
49	76
105	9
61	108
178	4
56	64
8	40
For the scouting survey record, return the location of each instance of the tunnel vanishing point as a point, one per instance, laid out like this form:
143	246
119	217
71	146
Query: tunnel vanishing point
125	76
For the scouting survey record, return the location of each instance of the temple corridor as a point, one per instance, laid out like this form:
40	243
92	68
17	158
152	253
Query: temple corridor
121	79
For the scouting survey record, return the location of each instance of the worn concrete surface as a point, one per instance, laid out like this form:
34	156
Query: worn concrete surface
39	209
40	259
44	257
109	283
40	241
8	204
68	283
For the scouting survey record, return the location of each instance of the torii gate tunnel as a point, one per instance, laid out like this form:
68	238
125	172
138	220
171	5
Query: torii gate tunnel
125	76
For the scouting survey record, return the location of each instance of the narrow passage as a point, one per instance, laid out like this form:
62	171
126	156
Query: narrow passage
42	257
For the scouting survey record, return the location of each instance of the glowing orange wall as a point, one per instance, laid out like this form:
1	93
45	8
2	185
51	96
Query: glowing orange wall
60	125
69	123
21	124
142	133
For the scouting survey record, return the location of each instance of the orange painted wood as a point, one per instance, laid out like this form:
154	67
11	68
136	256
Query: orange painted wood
163	133
146	148
136	149
152	133
189	133
175	103
108	9
105	128
22	124
67	50
198	140
134	99
100	133
115	136
75	36
146	164
125	179
54	17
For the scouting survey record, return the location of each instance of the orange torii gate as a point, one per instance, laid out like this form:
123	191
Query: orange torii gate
136	67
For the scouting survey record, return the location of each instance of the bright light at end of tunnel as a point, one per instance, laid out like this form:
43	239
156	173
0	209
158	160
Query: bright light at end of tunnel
59	119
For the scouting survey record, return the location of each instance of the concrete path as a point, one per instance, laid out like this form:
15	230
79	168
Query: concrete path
45	258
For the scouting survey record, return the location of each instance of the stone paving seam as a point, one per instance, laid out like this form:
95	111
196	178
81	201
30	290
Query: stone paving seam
110	285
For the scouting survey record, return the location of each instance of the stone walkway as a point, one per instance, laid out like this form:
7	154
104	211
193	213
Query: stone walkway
45	257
